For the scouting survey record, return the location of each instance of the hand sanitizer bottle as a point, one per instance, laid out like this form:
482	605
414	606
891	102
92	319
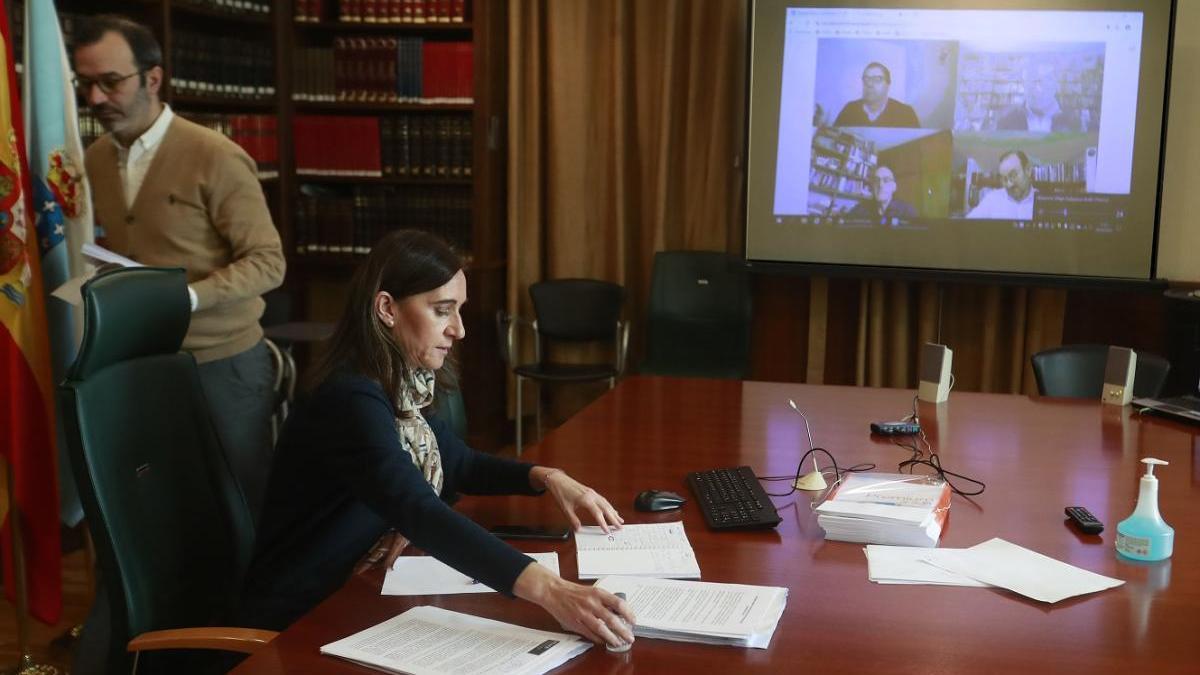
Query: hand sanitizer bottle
1144	535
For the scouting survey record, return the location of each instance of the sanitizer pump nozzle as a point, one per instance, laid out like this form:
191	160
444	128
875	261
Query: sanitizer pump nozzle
1144	535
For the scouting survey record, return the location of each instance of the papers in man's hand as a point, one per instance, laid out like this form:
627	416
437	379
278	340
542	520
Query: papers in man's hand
653	550
886	508
426	575
697	611
70	291
431	640
995	562
1000	563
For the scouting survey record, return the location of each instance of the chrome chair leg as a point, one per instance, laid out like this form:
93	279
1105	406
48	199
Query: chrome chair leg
537	414
518	415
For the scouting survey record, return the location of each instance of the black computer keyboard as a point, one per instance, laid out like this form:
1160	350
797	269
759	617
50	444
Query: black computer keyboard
732	498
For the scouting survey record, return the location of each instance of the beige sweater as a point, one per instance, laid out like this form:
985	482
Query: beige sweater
202	208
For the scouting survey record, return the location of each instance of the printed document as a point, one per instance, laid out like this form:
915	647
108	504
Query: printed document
71	290
426	575
697	611
434	641
1000	563
911	565
653	550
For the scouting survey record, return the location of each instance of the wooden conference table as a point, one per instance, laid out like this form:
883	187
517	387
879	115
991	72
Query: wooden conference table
1036	456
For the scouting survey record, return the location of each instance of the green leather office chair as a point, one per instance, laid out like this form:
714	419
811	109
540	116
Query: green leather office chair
1077	371
172	532
698	321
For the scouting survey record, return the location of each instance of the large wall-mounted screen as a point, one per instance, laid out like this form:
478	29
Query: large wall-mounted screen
996	137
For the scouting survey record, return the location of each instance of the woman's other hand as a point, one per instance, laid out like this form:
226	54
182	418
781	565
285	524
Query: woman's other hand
574	497
591	612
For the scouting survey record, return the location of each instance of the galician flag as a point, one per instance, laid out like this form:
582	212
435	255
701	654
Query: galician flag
60	196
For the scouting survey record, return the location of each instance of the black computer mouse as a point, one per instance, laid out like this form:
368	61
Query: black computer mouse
658	500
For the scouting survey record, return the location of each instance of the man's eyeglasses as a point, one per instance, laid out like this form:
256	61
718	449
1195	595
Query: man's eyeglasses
873	79
108	83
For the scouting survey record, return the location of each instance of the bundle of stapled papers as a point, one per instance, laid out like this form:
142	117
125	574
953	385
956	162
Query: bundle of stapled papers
434	641
695	611
649	550
995	562
886	508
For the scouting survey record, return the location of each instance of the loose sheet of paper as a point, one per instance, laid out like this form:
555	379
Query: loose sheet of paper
652	550
908	565
1000	563
426	575
433	641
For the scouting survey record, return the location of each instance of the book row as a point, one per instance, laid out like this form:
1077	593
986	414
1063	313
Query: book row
417	146
382	11
385	70
329	221
256	134
222	65
231	6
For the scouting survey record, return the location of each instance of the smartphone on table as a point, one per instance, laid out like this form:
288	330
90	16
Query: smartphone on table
530	532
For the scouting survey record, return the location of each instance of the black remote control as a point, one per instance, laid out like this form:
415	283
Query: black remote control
895	428
1088	523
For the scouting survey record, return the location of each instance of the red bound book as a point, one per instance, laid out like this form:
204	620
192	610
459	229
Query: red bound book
458	11
370	10
387	63
345	10
358	69
445	9
300	10
419	9
406	11
468	72
372	159
429	83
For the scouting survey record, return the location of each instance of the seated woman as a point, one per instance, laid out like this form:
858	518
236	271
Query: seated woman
358	461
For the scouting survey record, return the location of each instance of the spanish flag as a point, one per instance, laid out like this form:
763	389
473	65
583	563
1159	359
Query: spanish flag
26	401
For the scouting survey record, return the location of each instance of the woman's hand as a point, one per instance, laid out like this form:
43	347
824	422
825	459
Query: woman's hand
573	496
591	612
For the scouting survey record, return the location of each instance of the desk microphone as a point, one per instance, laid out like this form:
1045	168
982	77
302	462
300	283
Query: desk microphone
814	480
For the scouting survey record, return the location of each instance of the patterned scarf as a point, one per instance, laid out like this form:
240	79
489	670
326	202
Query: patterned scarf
416	392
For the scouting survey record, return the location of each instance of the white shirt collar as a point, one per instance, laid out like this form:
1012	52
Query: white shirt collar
151	137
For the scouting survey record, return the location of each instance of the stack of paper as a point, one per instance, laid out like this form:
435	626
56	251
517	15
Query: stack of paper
696	611
995	562
886	508
432	641
654	550
426	575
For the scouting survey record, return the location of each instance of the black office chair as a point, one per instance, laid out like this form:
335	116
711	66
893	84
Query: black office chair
567	310
1077	371
172	532
698	322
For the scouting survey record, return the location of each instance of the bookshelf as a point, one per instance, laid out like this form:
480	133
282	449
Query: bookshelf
426	100
244	67
839	176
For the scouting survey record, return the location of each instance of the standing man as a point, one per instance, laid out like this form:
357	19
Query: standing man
884	205
172	193
1015	201
876	108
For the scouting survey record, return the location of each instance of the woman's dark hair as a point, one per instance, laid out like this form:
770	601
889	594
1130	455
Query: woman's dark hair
147	53
403	263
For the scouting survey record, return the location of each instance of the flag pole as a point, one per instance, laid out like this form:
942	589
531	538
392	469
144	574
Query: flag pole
25	663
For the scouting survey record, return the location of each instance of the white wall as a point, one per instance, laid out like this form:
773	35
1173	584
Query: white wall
1179	229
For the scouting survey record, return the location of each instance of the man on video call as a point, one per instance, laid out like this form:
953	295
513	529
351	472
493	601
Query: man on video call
876	108
1015	201
883	204
1041	111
